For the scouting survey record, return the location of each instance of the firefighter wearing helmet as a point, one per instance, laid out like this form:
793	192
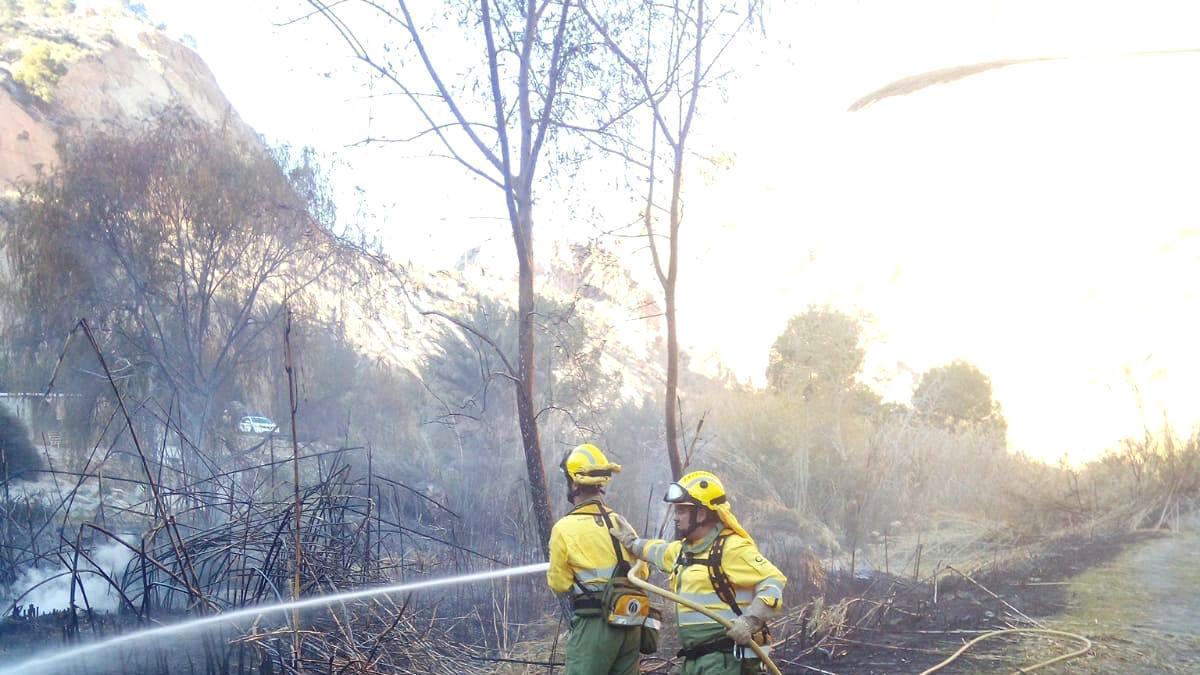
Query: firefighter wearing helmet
585	559
714	561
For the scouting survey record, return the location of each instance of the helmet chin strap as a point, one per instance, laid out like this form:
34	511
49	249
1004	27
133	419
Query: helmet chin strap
572	490
693	522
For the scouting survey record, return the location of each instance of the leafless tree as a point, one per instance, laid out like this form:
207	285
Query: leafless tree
524	53
671	53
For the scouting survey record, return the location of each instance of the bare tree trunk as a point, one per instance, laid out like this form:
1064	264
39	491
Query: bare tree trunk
7	507
669	285
682	83
510	162
672	394
526	414
297	646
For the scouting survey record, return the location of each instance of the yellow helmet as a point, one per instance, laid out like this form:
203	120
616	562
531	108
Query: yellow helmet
587	465
704	489
698	487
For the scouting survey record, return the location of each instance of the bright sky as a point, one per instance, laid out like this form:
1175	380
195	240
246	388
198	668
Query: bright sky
1040	220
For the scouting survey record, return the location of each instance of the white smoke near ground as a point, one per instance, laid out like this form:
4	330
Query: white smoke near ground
55	592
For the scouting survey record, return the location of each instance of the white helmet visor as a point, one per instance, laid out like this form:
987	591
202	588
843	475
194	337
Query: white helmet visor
676	494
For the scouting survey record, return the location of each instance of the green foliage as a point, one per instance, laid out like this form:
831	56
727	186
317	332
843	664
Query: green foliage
39	69
634	438
471	424
344	396
818	352
957	392
137	9
13	9
807	450
821	444
958	396
471	377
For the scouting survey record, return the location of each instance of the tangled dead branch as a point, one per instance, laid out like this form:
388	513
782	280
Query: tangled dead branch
203	537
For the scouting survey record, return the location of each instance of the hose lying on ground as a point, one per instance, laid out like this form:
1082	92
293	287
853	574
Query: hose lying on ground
1087	645
636	580
651	588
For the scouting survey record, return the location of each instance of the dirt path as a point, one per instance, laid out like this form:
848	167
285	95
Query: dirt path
1141	610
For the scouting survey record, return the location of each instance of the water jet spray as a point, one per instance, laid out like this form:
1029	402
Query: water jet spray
46	664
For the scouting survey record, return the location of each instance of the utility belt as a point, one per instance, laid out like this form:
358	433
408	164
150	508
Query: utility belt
723	645
620	603
586	604
623	609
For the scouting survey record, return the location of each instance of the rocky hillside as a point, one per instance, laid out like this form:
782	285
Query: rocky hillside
64	69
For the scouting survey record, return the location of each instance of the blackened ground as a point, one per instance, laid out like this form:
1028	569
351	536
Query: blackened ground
898	628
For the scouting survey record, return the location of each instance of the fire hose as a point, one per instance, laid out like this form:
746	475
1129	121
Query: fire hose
636	580
1087	645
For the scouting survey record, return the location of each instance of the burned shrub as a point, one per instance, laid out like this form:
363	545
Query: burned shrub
17	453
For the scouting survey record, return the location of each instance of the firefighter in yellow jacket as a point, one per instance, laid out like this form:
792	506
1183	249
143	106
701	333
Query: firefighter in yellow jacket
583	556
715	563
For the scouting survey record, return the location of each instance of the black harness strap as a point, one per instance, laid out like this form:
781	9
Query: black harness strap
718	578
620	570
716	574
724	589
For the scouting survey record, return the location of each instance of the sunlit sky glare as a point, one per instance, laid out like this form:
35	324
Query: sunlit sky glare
1039	220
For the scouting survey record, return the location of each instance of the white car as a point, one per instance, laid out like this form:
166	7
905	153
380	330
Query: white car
254	424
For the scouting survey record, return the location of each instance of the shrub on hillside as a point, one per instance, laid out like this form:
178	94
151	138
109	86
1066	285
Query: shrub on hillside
39	69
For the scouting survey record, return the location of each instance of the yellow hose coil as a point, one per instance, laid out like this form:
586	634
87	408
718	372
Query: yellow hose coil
1087	645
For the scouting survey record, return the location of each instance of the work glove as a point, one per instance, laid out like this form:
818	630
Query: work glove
624	532
743	629
750	622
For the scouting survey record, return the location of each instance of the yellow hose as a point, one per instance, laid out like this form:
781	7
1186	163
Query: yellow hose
1078	652
636	580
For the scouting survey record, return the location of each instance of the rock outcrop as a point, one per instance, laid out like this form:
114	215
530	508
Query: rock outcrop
85	68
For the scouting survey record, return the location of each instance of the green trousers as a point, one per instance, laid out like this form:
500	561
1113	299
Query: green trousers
719	663
596	648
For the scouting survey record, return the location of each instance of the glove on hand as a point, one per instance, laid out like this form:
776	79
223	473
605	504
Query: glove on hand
743	629
623	531
750	622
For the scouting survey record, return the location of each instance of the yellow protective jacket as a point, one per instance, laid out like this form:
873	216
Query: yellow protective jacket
749	572
582	557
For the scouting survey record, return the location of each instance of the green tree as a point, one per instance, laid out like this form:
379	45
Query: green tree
470	401
39	69
958	396
571	383
180	246
818	352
